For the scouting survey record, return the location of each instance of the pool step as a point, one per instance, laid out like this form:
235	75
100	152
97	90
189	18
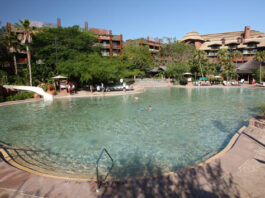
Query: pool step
256	134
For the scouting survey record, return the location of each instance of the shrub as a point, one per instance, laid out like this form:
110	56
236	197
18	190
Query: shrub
183	81
20	96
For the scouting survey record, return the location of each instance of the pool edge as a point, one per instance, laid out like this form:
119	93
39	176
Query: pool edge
231	143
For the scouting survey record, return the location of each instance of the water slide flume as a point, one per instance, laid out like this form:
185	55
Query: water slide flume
38	90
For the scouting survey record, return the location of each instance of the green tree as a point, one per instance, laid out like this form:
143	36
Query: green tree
26	40
4	54
92	68
260	57
137	60
199	58
211	68
56	48
12	43
236	55
175	51
226	63
176	70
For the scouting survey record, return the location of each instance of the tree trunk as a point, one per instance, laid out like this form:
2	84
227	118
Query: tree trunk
201	68
29	65
260	73
15	63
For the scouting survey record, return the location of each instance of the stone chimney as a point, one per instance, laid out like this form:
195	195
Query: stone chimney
8	27
247	32
58	22
86	26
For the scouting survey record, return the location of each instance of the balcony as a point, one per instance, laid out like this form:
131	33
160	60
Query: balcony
104	45
212	54
154	50
116	46
105	53
104	37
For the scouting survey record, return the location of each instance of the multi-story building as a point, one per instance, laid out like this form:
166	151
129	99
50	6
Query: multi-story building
153	44
111	45
248	42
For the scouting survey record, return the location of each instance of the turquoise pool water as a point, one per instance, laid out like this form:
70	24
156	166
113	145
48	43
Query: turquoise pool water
184	127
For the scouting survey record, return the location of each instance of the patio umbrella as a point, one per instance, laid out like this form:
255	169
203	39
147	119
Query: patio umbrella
59	77
187	74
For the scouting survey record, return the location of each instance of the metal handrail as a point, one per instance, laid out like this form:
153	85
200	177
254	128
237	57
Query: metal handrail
98	182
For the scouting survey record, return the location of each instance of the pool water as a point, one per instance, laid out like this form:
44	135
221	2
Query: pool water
185	127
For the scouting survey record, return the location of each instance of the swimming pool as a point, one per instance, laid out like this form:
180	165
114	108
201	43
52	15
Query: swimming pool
185	127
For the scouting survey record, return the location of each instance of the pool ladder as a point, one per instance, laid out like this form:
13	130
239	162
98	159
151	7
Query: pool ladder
98	181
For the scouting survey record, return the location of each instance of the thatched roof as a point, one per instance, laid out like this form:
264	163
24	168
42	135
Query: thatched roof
231	35
160	68
192	35
248	67
252	40
230	42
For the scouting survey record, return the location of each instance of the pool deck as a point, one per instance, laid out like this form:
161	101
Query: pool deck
239	172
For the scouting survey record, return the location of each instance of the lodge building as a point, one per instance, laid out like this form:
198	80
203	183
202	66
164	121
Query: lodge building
111	45
248	42
153	44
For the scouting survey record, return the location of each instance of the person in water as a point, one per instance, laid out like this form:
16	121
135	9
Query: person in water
149	108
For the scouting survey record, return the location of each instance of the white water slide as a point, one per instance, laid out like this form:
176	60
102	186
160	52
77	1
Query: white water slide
37	90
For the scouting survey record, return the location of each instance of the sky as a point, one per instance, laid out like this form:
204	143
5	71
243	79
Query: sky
142	18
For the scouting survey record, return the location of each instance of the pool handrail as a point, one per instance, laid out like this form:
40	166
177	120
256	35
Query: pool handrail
98	182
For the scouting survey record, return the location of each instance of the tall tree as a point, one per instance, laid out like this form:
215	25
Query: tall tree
260	57
175	51
236	55
137	59
4	54
12	43
200	57
176	70
27	38
225	62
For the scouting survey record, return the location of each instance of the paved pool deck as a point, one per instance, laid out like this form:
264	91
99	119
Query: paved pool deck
238	172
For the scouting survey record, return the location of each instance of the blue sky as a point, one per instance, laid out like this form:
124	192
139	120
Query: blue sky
142	18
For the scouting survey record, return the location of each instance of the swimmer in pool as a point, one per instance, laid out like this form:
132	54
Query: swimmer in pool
149	108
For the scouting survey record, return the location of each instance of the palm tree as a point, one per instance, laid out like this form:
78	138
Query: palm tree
200	56
236	55
260	57
225	61
27	31
12	44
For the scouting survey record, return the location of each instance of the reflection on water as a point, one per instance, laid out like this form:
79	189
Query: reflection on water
184	127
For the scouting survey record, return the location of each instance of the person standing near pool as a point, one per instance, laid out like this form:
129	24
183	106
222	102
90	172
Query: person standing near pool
69	88
73	88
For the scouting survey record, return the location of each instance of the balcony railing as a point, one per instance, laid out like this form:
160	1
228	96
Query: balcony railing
105	53
154	50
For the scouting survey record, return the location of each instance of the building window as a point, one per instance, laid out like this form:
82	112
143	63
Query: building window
252	45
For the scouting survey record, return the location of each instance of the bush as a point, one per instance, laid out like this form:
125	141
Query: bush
183	81
20	96
2	99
